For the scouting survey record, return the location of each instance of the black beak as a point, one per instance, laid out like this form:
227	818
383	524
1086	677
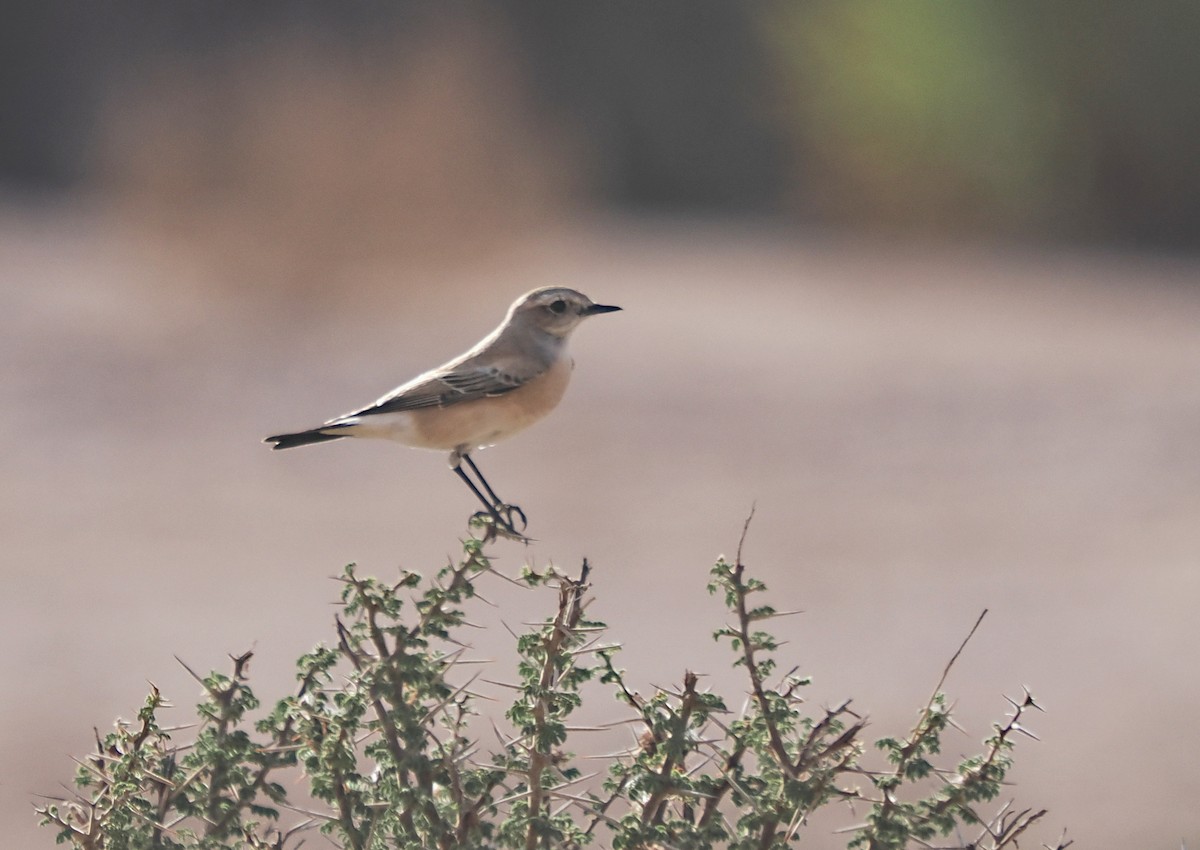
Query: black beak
595	309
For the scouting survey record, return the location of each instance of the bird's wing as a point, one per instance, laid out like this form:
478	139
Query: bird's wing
455	384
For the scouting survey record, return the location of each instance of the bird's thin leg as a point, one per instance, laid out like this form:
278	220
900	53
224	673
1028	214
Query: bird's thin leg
479	475
497	502
499	522
491	508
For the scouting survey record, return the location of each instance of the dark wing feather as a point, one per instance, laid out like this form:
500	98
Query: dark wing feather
454	387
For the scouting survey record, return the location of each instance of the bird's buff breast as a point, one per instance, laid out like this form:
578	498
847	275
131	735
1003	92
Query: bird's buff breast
479	423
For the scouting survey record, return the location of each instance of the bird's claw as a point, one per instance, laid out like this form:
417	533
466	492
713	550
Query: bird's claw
498	522
511	511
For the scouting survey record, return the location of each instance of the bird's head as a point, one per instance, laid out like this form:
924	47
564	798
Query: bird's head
555	310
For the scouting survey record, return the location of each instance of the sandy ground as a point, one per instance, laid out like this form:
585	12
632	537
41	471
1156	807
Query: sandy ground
925	433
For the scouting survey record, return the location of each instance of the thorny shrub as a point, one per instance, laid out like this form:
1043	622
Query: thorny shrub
380	728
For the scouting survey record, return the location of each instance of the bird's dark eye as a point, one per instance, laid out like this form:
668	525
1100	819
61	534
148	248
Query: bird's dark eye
558	306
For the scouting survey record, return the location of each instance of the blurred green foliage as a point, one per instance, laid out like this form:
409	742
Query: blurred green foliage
1022	118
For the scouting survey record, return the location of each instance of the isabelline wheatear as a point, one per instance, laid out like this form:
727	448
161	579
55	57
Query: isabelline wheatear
512	378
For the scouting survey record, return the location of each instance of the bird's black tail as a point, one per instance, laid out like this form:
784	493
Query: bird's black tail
301	438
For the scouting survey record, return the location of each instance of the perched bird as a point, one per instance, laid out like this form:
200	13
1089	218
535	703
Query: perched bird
512	378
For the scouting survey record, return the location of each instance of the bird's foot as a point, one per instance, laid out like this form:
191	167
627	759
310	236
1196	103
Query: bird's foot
509	512
500	521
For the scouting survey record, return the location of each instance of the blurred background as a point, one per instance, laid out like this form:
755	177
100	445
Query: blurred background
918	280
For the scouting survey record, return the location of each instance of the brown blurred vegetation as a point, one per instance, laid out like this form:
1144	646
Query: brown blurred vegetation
367	127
